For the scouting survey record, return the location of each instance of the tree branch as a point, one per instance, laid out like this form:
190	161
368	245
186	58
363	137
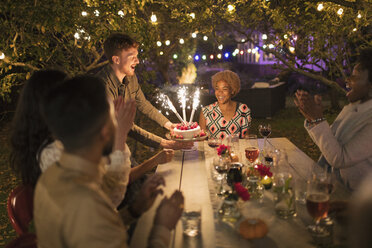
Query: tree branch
20	64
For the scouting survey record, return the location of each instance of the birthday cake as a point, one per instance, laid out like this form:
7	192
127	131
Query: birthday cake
188	131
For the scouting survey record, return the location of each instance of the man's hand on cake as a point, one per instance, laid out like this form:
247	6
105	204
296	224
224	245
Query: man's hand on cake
176	145
169	125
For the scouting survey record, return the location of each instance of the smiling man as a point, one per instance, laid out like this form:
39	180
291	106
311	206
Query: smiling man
120	79
346	144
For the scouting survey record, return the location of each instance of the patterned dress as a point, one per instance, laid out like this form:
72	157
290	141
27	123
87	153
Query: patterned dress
218	127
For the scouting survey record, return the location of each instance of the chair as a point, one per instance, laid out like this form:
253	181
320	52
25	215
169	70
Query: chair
20	208
27	240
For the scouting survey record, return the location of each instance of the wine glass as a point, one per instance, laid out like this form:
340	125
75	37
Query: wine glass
222	168
265	131
317	203
252	151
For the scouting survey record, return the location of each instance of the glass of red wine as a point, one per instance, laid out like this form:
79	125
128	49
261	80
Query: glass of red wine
265	131
222	167
251	150
317	204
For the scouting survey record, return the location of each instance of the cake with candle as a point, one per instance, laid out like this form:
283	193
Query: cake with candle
187	131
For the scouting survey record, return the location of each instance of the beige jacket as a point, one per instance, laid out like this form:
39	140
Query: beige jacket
71	209
133	91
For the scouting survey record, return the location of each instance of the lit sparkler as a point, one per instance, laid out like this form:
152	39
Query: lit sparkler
195	103
182	98
170	104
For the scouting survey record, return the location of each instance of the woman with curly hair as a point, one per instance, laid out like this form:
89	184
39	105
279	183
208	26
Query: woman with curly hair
225	116
29	133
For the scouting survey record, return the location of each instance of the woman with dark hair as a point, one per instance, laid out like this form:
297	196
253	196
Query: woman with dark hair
30	134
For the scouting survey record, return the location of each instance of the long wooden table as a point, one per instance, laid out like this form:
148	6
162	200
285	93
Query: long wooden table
191	173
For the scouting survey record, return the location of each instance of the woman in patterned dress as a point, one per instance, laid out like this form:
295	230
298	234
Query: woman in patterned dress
225	116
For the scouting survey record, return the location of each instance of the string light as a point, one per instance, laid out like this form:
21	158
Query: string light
153	18
2	55
340	11
192	15
77	36
211	57
264	37
167	42
227	55
158	43
264	46
234	54
84	13
230	8
193	35
236	50
161	53
182	41
204	57
189	57
243	40
220	47
249	50
359	16
96	12
241	52
205	37
291	49
175	56
295	37
285	36
271	46
219	56
121	13
320	7
196	57
355	29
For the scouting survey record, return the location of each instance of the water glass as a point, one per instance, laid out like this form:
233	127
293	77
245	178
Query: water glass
284	197
300	192
191	220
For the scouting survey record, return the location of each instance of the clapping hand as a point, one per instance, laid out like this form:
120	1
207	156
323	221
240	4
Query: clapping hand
170	210
310	106
147	195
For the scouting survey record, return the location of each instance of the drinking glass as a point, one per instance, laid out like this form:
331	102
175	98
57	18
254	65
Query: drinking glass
317	203
265	131
191	220
222	168
213	142
252	151
284	197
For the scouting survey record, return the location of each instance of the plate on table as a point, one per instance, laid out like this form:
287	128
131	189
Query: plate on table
168	136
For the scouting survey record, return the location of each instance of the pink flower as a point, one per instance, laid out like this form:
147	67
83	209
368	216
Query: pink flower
263	170
222	150
242	192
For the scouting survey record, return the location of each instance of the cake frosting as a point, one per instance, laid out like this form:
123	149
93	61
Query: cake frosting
189	131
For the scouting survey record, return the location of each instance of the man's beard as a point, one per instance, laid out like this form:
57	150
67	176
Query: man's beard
107	149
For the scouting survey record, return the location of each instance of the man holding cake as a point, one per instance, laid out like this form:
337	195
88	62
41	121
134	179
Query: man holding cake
121	80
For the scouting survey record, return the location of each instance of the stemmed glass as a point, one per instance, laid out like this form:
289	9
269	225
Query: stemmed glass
317	203
265	131
252	151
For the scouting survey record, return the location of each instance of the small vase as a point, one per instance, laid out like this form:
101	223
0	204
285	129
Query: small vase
229	211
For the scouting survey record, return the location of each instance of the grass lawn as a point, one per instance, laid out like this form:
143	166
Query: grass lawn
286	123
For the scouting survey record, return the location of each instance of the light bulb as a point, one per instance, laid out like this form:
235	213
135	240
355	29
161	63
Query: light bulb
230	8
161	53
205	37
84	13
121	13
220	47
192	15
193	35
340	11
175	56
359	16
96	12
264	37
77	36
219	56
320	7
291	49
2	55
167	42
182	41
158	43
204	57
153	18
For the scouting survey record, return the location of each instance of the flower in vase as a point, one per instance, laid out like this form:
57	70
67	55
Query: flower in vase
223	151
263	170
242	192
